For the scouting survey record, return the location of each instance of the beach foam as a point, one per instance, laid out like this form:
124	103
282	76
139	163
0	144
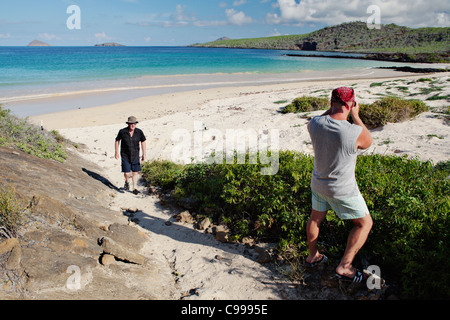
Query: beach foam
87	95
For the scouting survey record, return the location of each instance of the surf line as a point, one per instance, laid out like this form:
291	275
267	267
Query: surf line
200	84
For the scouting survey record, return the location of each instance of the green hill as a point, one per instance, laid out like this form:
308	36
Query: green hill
356	37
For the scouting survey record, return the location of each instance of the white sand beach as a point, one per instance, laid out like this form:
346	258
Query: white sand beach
213	111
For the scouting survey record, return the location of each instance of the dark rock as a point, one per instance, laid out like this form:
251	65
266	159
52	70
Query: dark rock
264	257
185	217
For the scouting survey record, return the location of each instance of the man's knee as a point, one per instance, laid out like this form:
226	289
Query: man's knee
365	222
317	217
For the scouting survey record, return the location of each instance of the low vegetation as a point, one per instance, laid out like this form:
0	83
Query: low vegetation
306	104
376	114
162	173
11	212
408	199
20	134
29	138
390	110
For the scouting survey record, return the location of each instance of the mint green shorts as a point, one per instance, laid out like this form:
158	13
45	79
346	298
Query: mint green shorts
345	209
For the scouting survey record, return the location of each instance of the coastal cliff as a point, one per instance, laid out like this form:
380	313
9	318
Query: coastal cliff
390	41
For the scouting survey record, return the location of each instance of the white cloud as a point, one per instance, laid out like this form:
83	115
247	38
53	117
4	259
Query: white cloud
237	17
275	33
273	18
442	19
182	18
212	23
101	36
239	2
181	14
47	37
5	36
413	13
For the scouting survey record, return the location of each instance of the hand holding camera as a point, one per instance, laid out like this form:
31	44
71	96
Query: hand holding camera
354	110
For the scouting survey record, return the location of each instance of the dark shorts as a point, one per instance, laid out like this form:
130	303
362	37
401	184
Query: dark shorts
131	167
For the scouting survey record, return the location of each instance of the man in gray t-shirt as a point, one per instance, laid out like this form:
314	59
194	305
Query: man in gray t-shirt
333	184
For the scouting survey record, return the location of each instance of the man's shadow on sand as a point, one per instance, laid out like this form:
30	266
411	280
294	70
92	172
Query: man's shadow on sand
102	179
178	231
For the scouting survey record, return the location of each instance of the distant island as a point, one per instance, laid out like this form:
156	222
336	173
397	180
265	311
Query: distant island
37	43
391	42
224	38
109	44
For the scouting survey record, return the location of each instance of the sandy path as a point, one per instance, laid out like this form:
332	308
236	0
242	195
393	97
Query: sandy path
202	267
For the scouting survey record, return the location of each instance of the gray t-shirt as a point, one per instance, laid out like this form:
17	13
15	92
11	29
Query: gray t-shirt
335	157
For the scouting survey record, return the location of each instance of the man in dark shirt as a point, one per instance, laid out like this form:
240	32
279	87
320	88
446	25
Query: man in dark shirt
129	139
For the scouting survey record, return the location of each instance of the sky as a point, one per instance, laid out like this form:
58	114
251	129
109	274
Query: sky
184	22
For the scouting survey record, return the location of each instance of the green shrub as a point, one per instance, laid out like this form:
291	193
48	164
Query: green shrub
438	97
376	114
11	212
409	202
390	110
161	173
30	138
444	166
408	199
304	104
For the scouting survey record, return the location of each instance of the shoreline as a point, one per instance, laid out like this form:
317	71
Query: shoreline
391	57
218	79
111	106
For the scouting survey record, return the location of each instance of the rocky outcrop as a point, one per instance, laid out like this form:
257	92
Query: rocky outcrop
68	234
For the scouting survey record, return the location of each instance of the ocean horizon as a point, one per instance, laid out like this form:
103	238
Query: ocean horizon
35	73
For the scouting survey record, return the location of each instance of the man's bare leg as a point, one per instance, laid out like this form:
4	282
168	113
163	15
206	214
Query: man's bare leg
135	179
127	177
312	232
356	240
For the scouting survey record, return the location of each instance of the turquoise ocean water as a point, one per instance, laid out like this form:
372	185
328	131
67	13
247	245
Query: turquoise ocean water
32	71
21	66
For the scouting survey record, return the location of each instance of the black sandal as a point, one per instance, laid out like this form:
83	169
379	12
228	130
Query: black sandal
314	264
357	278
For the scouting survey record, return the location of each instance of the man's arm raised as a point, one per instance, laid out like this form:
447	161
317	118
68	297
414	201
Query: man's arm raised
364	140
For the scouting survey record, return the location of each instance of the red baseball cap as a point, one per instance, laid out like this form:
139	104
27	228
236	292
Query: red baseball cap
343	94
